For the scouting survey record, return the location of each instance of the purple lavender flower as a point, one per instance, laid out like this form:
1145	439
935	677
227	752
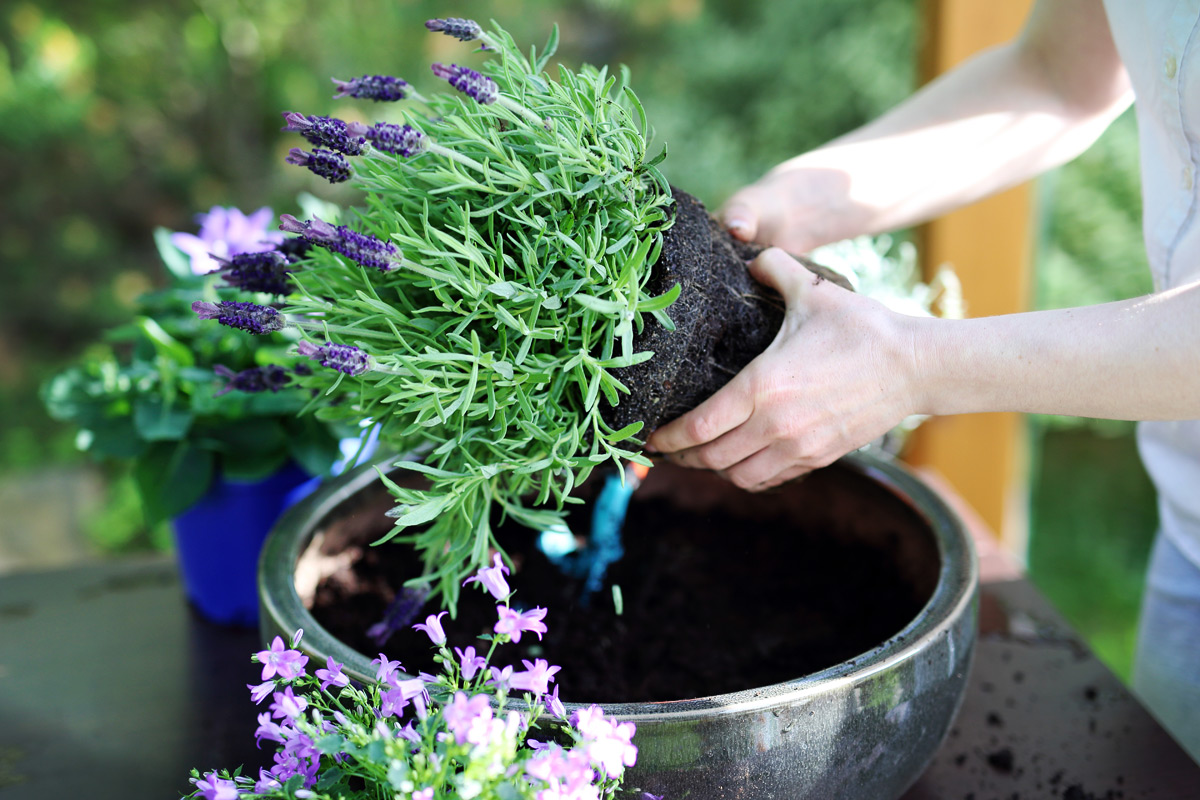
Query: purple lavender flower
433	628
380	88
402	140
254	379
213	788
399	613
536	677
265	271
492	578
332	675
278	660
326	164
345	358
465	30
226	232
479	87
358	247
513	623
249	317
295	248
470	662
347	138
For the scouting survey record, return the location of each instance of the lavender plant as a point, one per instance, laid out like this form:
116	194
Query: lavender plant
183	400
336	740
477	304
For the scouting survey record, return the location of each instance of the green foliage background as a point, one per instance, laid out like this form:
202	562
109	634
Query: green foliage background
117	117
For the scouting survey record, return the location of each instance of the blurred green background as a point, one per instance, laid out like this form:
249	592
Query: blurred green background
117	117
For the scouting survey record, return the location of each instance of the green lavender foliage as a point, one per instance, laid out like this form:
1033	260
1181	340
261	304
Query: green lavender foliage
527	247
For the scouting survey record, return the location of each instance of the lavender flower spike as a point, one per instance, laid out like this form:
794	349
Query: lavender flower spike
255	379
380	88
329	165
465	30
358	247
256	272
479	87
346	138
345	358
249	317
402	140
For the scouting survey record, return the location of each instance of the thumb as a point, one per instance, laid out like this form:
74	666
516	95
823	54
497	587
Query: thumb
778	270
740	217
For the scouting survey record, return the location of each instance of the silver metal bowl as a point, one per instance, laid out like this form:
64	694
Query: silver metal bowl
864	729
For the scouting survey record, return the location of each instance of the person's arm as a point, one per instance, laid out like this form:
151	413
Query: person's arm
845	369
1000	118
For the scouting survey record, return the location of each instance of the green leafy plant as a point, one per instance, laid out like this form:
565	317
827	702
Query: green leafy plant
156	390
488	289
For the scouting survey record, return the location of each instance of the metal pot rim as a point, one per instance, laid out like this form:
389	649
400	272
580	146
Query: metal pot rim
953	594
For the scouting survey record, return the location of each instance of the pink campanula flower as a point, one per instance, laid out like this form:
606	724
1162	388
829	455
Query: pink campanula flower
433	628
332	675
269	729
492	578
260	692
278	660
386	668
500	677
554	705
266	782
513	623
423	794
226	232
536	677
607	742
470	662
463	717
287	705
213	788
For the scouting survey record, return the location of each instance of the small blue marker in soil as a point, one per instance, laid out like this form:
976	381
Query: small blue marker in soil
603	547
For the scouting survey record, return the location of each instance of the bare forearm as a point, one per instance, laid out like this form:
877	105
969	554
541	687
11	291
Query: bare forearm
1134	359
997	120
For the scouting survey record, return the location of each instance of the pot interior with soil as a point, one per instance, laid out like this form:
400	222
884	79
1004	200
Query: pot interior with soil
721	591
837	611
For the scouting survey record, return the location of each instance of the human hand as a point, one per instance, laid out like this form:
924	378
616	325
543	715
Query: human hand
795	208
841	372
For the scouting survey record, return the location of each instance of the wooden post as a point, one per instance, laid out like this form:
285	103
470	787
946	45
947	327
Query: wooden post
989	245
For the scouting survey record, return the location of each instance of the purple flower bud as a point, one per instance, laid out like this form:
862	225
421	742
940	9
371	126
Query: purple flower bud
358	247
403	140
344	358
249	317
433	628
256	272
465	30
334	134
380	88
255	379
327	164
295	248
480	87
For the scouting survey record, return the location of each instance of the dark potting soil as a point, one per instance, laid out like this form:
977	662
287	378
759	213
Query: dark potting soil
723	320
714	601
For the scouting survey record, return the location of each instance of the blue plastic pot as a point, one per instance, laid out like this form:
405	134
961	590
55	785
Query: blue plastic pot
218	541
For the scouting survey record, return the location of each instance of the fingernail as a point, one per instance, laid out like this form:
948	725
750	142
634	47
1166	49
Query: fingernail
736	224
649	448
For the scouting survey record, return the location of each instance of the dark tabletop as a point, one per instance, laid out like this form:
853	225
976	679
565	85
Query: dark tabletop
110	687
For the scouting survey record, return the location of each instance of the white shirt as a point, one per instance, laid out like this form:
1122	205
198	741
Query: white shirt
1159	41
